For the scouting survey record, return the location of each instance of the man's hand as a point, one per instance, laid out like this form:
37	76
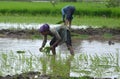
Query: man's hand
51	47
40	49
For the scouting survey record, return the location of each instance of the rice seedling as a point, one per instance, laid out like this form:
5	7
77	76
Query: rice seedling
46	50
82	64
19	51
31	8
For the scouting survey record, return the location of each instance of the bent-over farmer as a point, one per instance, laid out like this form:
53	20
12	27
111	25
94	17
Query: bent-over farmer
67	15
60	35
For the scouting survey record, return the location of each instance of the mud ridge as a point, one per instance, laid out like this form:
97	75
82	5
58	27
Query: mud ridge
38	75
92	32
97	31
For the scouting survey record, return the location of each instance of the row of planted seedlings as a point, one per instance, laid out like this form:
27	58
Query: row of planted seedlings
38	8
107	65
60	65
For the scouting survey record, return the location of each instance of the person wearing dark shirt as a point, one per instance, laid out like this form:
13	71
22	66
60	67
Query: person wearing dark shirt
67	15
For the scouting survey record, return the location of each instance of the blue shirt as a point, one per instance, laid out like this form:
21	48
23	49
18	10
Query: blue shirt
67	12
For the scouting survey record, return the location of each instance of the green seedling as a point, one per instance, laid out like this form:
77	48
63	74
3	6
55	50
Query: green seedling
46	50
19	51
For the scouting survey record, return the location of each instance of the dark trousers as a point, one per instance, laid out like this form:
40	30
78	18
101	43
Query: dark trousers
68	41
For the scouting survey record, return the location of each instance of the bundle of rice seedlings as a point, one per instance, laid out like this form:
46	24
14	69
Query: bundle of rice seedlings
19	51
46	50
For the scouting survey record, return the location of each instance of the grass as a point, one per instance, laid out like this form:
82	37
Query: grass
80	36
83	20
97	21
107	35
32	8
89	14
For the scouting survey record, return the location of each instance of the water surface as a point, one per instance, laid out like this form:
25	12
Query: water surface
31	48
31	25
91	47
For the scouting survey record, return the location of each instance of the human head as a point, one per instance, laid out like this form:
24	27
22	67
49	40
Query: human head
44	28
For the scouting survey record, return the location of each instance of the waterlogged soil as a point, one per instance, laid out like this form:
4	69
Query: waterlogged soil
37	75
93	33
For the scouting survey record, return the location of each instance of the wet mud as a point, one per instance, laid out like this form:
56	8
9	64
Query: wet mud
26	33
91	32
98	33
37	75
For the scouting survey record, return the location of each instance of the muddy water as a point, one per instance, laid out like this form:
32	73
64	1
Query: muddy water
30	25
91	47
80	46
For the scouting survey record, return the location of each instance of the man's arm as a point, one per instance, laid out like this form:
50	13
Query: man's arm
44	42
58	39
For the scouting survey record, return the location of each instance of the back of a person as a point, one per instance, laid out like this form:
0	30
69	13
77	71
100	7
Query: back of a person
69	9
62	31
67	15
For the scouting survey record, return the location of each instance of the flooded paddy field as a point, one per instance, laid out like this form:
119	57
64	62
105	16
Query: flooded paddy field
98	58
92	57
29	25
90	47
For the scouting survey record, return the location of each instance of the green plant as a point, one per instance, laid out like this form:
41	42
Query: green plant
19	51
46	50
113	3
40	8
106	35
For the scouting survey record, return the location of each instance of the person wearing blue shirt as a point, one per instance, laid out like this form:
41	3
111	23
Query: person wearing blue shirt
67	15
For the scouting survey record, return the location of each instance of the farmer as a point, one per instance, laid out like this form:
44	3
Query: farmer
67	15
60	35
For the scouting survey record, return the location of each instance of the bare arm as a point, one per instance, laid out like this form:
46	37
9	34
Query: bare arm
44	42
58	39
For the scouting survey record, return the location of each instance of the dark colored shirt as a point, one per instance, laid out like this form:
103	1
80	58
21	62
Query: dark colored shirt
60	33
67	12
